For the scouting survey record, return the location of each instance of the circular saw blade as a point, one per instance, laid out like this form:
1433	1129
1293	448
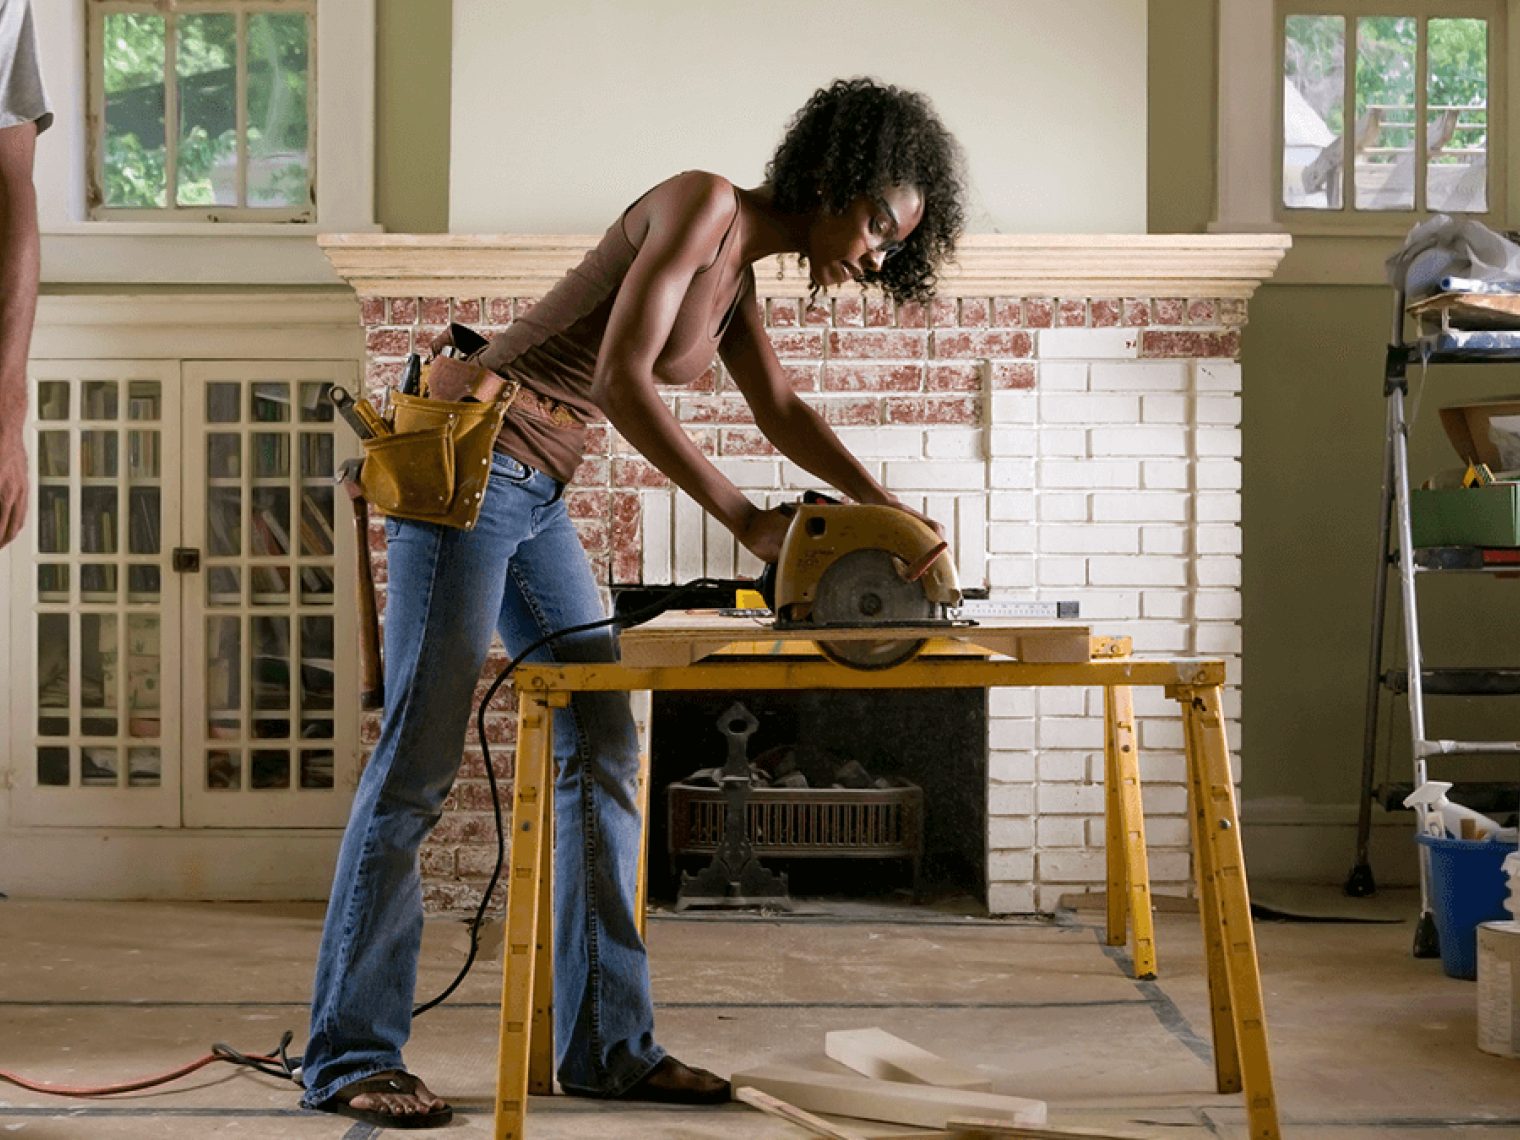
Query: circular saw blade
863	588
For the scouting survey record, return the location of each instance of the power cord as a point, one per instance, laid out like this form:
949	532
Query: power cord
278	1062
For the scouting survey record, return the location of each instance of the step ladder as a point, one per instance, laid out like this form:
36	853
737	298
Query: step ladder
1416	681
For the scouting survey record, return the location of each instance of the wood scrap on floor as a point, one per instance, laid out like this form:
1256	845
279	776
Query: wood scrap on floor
974	1128
774	1106
890	1101
876	1053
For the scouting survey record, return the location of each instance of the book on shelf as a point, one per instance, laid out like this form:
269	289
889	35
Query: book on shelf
316	533
143	527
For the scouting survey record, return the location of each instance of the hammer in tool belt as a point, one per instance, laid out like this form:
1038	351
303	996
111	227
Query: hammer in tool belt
371	676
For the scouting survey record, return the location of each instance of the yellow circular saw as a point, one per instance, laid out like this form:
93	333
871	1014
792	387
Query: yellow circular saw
851	566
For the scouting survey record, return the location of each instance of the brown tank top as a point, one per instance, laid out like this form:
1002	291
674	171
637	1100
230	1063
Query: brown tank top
552	349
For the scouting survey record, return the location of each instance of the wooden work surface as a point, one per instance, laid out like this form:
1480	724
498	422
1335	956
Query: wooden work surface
683	637
1469	310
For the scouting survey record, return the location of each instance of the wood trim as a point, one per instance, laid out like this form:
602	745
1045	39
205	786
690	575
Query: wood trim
1097	265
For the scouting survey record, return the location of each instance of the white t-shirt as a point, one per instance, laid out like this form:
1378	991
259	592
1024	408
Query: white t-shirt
22	97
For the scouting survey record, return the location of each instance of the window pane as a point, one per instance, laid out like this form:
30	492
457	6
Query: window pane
133	60
205	63
1456	129
278	143
1314	86
1385	111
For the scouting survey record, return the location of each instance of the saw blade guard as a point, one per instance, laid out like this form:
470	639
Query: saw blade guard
821	534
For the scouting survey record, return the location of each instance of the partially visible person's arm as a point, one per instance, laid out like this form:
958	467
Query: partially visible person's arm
20	258
686	227
787	420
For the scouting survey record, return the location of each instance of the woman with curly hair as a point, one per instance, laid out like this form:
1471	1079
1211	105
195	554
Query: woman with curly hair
865	187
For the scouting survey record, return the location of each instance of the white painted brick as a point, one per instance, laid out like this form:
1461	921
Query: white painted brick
1005	701
1070	732
1006	834
1164	604
1062	831
1011	506
1012	795
1065	474
1212	441
1010	474
1050	898
1164	409
1218	506
956	443
1151	701
1088	408
1218	637
1166	799
1216	538
1216	376
1063	377
970	539
1166	831
1010	735
1069	799
1072	867
1063	767
1009	898
1144	570
1089	538
1014	408
1110	606
1162	768
1218	474
1144	440
687	557
1063	700
1064	441
1162	637
1217	571
1165	540
1217	605
720	543
1011	538
1141	506
1160	734
1063	507
1218	410
749	474
1013	866
885	442
1087	344
1013	441
1140	376
1010	572
935	475
1166	474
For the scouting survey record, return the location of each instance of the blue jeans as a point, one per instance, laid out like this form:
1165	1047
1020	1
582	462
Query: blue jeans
521	571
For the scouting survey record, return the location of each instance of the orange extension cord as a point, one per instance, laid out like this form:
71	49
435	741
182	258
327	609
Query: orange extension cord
276	1064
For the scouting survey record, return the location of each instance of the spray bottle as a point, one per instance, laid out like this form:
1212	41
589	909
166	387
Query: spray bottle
1443	819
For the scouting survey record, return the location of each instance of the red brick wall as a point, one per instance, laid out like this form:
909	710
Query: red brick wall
862	361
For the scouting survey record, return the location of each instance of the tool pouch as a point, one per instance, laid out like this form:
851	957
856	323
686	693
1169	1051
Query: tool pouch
434	464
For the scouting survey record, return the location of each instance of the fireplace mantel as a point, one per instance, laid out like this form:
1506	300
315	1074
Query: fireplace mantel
1090	265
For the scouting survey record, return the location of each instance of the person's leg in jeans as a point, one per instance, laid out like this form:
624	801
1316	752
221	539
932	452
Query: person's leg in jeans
443	600
603	1012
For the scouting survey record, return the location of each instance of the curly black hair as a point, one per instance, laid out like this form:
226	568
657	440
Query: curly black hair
860	137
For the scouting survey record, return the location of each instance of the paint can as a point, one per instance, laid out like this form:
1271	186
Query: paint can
1499	988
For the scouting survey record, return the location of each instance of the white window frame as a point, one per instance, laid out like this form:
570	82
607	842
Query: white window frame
1350	219
95	85
79	250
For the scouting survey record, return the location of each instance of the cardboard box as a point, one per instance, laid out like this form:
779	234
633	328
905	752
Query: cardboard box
1487	432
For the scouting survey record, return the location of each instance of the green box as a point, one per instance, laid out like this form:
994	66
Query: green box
1466	516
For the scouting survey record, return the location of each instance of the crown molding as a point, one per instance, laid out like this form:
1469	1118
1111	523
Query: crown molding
1091	265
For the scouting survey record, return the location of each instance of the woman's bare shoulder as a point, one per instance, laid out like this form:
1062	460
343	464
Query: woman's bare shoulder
695	203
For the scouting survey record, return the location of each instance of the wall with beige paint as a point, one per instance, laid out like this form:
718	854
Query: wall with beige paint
564	112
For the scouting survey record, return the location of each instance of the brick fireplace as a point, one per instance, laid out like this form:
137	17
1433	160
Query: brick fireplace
1069	409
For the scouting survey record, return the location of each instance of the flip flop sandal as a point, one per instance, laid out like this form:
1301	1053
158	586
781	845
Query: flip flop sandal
396	1083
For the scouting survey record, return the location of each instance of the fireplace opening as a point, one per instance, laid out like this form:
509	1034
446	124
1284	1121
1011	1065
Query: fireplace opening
867	794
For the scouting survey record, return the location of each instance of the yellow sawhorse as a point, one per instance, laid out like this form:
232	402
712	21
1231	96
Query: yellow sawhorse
1241	1062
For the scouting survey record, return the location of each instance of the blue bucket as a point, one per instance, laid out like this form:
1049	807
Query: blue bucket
1467	886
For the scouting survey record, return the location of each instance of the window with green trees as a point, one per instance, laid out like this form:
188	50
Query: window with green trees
202	109
1421	127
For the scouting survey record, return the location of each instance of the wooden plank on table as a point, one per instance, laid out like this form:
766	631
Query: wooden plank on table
1471	310
682	637
891	1101
876	1053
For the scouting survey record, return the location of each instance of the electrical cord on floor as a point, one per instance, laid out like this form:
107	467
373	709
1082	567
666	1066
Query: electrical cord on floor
278	1063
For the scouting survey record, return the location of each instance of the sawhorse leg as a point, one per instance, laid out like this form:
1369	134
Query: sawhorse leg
1129	884
1241	1060
528	873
